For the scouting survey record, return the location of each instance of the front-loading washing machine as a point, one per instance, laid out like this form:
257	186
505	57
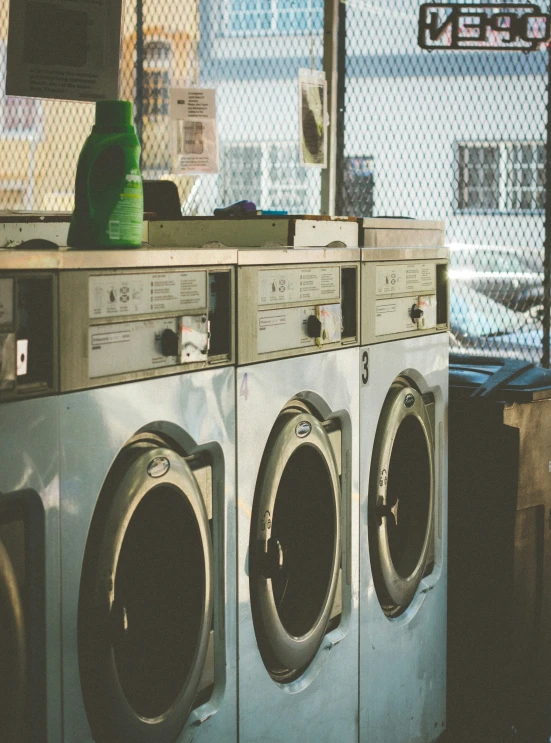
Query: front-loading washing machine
147	494
403	487
297	386
30	675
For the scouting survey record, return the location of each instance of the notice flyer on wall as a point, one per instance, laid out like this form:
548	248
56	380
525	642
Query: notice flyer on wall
193	131
312	111
65	49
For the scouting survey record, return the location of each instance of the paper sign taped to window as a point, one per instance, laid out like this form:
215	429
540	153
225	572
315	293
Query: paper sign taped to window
312	110
193	131
66	49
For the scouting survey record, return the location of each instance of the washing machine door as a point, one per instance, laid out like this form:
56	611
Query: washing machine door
145	603
13	681
401	497
295	544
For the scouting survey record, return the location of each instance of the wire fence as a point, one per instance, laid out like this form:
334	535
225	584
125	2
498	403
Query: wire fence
459	136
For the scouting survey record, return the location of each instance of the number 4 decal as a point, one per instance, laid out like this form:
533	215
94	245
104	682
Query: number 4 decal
244	389
365	367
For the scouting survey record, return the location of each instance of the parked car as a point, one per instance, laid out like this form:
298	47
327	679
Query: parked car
505	274
480	325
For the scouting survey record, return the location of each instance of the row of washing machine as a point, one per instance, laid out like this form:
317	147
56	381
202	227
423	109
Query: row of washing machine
223	485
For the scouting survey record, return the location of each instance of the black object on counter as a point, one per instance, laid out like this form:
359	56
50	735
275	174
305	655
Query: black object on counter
162	199
499	610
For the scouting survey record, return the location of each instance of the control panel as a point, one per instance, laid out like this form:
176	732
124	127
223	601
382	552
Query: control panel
131	324
291	310
27	337
402	299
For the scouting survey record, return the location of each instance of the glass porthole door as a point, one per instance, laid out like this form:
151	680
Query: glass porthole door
401	498
295	543
145	602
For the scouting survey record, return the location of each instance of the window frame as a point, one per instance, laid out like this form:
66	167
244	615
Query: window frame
274	14
269	187
504	168
35	132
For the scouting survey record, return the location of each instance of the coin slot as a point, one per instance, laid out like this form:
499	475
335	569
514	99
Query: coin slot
442	295
220	313
349	302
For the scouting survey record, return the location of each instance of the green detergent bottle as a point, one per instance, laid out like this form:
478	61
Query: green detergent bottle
108	192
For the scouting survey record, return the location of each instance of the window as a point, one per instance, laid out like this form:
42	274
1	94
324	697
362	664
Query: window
501	177
357	186
12	197
274	17
20	118
156	77
268	173
242	173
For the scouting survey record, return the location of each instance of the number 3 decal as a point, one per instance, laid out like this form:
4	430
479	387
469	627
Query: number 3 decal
365	367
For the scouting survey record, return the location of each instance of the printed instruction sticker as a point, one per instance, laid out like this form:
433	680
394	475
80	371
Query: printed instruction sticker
312	112
194	134
66	49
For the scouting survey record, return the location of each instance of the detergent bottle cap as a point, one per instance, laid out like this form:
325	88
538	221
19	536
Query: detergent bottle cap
113	115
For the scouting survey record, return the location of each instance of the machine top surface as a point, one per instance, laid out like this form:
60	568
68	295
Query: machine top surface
377	255
262	231
400	223
401	233
278	256
70	259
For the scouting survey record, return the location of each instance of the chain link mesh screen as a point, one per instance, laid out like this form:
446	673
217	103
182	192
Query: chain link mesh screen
458	136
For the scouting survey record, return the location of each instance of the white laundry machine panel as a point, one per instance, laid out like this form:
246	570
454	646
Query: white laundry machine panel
297	386
30	709
403	486
310	695
403	650
182	431
146	537
30	680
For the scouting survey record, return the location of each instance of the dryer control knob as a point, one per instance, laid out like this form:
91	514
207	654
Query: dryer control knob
416	313
313	327
169	343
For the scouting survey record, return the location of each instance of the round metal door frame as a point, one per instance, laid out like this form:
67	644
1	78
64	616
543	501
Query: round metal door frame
295	653
10	599
113	717
395	592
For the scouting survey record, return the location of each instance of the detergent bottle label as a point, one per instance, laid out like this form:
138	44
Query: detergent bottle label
125	220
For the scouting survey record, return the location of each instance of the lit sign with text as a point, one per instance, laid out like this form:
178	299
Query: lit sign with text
484	27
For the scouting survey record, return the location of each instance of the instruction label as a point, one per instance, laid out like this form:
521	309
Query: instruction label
128	347
194	132
6	301
405	278
298	285
280	330
67	49
286	328
138	294
394	315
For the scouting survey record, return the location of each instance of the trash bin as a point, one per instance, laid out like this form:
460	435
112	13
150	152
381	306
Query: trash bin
499	601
